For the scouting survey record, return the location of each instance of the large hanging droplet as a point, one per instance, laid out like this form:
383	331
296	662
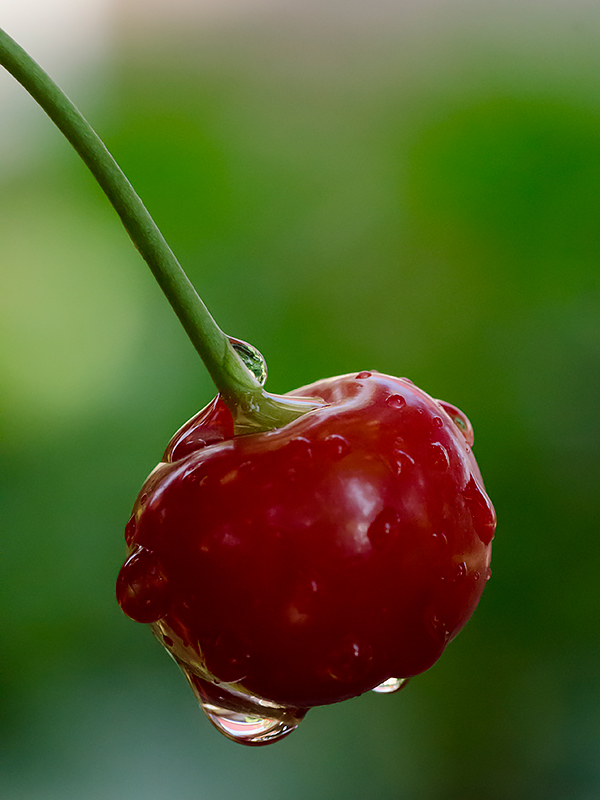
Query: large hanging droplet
252	358
248	729
391	685
239	715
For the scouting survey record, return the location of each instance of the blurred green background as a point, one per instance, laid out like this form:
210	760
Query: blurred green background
409	188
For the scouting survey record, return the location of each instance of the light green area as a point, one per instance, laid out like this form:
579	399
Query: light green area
426	206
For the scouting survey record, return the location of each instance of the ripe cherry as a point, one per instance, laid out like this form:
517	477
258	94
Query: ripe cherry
311	563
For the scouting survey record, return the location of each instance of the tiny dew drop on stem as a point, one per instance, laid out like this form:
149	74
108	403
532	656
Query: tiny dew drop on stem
290	551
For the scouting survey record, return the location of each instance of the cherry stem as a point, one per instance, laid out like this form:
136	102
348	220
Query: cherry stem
253	409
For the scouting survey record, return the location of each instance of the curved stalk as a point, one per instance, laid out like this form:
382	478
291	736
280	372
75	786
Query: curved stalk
250	404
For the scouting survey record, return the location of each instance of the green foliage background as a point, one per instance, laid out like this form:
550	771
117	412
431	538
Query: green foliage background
424	202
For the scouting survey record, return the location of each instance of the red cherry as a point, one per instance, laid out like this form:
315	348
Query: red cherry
311	563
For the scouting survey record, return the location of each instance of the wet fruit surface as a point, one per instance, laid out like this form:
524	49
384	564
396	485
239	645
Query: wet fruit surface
309	564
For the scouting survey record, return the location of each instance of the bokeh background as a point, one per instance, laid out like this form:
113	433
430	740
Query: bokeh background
407	186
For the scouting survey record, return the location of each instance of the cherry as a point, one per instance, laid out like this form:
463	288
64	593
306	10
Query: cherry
308	564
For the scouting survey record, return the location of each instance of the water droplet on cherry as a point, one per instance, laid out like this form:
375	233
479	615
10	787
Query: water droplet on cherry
439	456
391	685
396	401
142	589
351	662
439	629
440	539
460	571
384	528
438	422
252	358
362	375
461	421
335	446
481	510
402	459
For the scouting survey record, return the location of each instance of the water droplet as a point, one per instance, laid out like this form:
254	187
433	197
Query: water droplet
440	539
487	574
439	456
194	477
461	420
460	571
391	685
130	530
299	447
407	380
142	589
299	456
439	629
252	358
239	715
350	662
167	640
363	375
402	459
142	499
477	575
438	422
212	424
396	401
335	446
248	729
481	510
384	528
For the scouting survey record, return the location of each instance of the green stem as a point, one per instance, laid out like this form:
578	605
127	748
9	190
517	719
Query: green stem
251	406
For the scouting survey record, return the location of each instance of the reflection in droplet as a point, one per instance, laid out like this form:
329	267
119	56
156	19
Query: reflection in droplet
391	685
247	729
363	375
460	571
252	358
438	422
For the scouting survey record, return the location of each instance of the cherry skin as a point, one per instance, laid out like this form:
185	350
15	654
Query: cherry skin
311	563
